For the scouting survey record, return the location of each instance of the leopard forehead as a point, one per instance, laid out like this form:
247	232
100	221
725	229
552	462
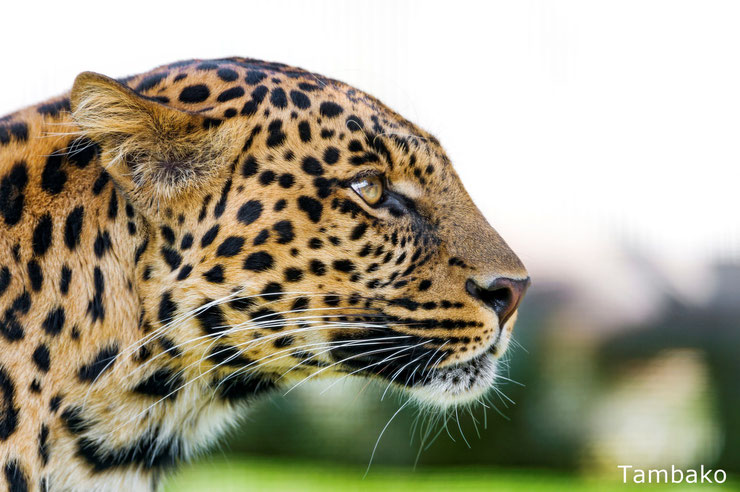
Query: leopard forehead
326	115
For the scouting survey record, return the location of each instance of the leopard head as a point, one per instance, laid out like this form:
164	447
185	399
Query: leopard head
297	228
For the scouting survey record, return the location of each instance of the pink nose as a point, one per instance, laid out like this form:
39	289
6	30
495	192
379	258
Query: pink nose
503	295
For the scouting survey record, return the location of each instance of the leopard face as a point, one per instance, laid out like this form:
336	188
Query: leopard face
177	242
300	229
310	229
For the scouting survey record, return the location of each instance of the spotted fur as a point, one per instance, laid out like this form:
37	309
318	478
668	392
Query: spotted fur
176	243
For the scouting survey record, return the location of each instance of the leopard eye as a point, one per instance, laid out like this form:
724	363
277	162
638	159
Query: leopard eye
370	188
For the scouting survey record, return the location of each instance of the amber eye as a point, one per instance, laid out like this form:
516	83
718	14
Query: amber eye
370	188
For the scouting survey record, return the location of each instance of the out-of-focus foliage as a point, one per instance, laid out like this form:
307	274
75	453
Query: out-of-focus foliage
241	475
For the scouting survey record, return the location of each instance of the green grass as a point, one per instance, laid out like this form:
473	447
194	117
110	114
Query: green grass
236	475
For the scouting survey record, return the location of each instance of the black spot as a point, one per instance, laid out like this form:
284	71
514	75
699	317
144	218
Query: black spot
250	107
184	272
150	81
102	243
231	246
284	230
212	319
278	99
317	267
330	109
249	212
44	444
11	193
354	123
345	266
300	304
261	238
187	241
81	151
358	231
113	205
286	180
41	357
54	403
171	257
243	387
52	177
304	131
73	227
267	177
102	361
218	210
250	166
283	342
331	300
164	383
209	236
167	308
215	274
42	235
424	285
18	130
230	94
331	155
140	250
312	166
254	77
227	74
272	291
54	321
100	183
16	477
5	278
194	93
65	279
22	303
311	206
293	274
95	307
54	108
168	234
227	355
258	262
275	135
8	410
280	205
242	303
300	99
355	146
323	186
35	275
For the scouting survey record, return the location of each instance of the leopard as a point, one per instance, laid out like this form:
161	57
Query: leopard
176	244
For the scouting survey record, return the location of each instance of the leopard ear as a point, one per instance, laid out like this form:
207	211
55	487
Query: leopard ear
154	152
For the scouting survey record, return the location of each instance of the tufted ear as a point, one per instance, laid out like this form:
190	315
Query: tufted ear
155	152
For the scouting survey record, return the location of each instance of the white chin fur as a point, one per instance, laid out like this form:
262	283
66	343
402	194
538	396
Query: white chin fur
458	384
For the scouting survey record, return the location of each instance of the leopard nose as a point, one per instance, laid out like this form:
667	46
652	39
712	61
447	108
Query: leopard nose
503	295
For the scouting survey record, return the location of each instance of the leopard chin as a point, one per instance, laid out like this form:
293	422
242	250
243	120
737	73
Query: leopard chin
459	384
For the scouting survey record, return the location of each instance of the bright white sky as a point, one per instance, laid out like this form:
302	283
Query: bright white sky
579	127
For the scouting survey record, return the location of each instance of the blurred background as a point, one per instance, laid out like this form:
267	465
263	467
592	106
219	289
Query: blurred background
599	138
